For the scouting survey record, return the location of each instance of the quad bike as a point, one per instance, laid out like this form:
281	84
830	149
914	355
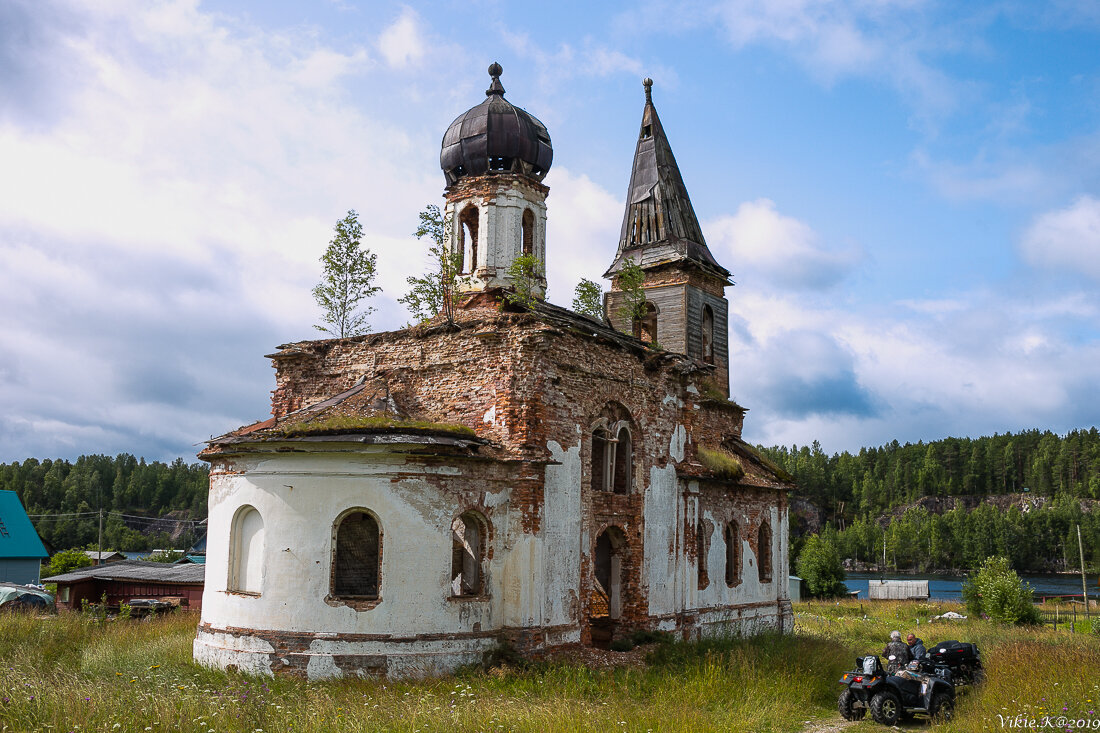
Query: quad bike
925	688
963	659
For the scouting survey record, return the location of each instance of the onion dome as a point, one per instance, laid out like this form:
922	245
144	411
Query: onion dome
495	137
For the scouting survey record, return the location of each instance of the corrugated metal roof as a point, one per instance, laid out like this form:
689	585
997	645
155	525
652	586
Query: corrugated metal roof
136	570
18	537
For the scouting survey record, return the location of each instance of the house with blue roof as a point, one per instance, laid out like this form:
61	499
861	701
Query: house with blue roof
21	549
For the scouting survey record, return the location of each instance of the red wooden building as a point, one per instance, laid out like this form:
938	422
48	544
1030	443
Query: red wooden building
126	580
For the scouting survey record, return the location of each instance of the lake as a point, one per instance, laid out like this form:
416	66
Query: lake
949	587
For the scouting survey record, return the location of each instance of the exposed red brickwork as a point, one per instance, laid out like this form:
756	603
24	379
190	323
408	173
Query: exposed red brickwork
520	383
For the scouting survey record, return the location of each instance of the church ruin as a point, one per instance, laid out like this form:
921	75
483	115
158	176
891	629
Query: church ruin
523	475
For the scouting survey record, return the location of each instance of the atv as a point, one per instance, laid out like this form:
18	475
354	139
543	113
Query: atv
925	688
963	659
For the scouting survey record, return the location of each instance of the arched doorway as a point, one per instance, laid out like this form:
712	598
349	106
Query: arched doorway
605	607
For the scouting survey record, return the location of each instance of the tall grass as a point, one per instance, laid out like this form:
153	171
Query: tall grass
70	673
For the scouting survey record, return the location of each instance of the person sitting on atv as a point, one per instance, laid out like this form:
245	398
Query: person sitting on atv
896	653
916	646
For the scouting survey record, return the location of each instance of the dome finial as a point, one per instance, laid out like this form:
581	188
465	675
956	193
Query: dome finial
495	70
648	84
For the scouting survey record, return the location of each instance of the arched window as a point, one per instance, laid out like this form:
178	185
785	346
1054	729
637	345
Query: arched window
467	554
246	548
708	335
764	551
467	238
601	450
357	556
733	555
645	328
702	547
528	230
624	459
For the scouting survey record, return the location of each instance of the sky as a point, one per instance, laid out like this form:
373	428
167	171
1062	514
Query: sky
907	193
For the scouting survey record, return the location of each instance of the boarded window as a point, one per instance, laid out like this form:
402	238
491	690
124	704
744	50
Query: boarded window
246	548
528	232
708	335
624	456
733	555
467	238
356	565
467	554
764	551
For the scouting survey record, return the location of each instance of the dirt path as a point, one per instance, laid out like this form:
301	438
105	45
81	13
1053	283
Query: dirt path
828	725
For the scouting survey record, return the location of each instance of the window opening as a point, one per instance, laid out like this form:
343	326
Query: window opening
645	328
623	454
601	452
764	552
467	238
733	555
247	548
467	554
357	561
647	132
701	546
528	231
708	335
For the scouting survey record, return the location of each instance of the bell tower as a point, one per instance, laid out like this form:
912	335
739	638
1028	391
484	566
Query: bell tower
495	156
686	306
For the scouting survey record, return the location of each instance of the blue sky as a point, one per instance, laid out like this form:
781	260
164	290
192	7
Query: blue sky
907	193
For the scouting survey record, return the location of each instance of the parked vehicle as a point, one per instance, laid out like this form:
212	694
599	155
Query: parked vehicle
963	659
923	688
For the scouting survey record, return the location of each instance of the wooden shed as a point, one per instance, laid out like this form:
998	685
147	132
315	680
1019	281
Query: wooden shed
897	590
126	580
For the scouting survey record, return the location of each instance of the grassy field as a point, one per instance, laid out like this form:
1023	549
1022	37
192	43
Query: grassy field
69	673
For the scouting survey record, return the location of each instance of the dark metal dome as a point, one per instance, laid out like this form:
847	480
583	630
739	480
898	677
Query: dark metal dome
495	137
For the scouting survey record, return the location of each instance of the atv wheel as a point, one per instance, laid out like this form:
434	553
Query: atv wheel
845	703
885	708
942	707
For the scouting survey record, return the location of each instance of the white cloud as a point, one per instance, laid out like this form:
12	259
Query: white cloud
402	43
582	232
177	207
1066	239
761	241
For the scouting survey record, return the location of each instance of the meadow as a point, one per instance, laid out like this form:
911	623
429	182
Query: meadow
75	673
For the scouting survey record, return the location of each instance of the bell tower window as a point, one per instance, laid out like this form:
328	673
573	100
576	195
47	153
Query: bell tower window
467	238
528	232
708	334
645	328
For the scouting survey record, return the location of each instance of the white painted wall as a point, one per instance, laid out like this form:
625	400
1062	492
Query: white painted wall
500	234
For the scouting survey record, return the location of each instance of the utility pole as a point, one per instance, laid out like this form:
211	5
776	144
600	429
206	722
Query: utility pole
1084	587
99	558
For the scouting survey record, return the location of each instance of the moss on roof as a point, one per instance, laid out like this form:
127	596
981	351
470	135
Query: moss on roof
721	463
335	424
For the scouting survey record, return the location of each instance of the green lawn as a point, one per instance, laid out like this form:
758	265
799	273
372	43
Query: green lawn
70	673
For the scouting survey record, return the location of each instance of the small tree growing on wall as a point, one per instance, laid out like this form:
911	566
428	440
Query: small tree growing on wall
346	281
588	299
631	278
524	276
436	292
